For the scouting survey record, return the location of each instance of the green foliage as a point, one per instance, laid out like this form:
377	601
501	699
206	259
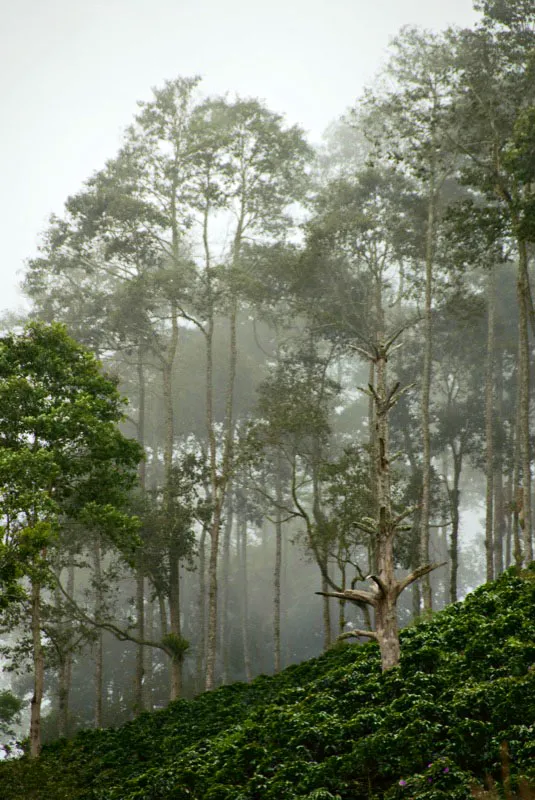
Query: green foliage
62	456
176	645
334	728
10	708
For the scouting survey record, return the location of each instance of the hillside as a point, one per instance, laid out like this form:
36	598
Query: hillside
333	727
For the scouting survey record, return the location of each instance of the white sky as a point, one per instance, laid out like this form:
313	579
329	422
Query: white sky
71	72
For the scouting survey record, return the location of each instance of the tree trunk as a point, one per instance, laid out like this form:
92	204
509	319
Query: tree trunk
38	672
65	667
174	547
99	645
525	450
149	628
63	696
164	627
327	633
386	624
245	599
201	613
517	488
139	699
219	488
174	619
211	643
454	497
426	392
509	503
277	570
489	424
225	562
341	602
499	509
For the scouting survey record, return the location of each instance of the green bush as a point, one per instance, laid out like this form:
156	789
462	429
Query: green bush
334	728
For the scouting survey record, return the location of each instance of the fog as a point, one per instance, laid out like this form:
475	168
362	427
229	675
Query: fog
303	281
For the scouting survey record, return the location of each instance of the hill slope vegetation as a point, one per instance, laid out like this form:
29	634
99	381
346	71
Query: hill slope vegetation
333	727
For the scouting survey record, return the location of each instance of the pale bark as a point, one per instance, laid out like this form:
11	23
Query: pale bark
517	488
99	645
426	393
174	547
524	369
38	671
277	569
245	598
139	698
385	588
499	506
454	495
148	663
201	613
489	425
509	503
225	563
220	478
327	632
164	627
174	620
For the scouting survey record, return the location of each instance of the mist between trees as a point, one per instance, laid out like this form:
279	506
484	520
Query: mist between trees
326	356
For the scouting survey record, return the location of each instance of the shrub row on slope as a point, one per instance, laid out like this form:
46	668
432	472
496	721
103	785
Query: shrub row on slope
333	727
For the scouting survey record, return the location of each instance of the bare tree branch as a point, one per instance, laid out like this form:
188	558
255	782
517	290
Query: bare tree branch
353	596
417	573
357	632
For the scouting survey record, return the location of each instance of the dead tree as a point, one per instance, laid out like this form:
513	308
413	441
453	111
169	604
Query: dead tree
385	588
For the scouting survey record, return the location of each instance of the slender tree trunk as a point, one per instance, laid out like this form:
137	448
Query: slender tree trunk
509	502
174	620
489	424
219	488
63	696
372	558
518	490
139	698
38	671
65	667
211	644
149	626
201	612
499	509
327	632
99	644
454	497
245	600
426	392
174	546
225	562
386	623
341	602
164	627
277	570
525	450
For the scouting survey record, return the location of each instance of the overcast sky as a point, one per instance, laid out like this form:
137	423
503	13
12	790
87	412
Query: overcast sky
72	70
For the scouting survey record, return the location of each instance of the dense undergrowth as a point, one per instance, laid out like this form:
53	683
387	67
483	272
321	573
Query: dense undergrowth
333	727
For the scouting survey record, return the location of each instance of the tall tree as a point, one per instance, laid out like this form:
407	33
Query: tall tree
62	457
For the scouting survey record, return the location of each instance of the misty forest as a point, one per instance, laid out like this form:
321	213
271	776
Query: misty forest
270	414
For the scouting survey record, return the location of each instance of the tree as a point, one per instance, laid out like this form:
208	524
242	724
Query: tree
412	119
386	588
492	95
62	458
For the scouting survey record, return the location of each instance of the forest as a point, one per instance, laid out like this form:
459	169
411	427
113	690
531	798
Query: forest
271	403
